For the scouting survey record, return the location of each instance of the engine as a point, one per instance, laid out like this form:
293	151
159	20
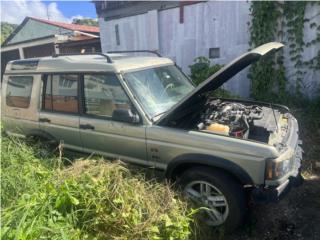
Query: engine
229	118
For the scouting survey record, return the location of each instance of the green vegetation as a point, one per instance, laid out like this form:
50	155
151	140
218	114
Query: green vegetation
86	21
202	69
6	30
89	199
284	22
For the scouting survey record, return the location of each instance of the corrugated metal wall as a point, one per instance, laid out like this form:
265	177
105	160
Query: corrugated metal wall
211	24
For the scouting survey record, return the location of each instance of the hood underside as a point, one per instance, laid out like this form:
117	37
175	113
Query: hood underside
219	78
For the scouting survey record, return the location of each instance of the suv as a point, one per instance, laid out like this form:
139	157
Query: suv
144	110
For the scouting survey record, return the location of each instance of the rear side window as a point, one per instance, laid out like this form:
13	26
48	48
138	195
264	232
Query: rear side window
19	90
61	93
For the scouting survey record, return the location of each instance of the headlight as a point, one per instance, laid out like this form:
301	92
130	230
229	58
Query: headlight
277	168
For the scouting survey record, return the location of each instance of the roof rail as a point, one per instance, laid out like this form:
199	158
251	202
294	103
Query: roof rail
109	60
138	51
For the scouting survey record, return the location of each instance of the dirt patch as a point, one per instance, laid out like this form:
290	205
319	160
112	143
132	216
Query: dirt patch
295	217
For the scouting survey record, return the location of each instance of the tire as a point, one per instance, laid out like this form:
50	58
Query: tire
218	189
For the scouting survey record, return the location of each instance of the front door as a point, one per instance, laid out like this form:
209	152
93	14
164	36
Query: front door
59	115
103	94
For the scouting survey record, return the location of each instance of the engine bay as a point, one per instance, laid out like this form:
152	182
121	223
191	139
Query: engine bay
236	119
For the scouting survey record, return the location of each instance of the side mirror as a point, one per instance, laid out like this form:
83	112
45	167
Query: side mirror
125	115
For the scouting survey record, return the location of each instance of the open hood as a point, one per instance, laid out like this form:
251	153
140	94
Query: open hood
218	79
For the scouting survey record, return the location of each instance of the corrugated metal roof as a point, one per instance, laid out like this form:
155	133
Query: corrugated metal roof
70	26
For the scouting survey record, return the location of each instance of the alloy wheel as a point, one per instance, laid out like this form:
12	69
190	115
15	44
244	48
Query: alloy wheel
211	198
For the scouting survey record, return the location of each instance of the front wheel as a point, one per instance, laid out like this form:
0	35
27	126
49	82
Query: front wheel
222	198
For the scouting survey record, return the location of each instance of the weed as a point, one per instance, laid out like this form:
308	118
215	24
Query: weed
91	199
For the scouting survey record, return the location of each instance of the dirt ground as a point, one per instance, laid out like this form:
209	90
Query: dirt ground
295	217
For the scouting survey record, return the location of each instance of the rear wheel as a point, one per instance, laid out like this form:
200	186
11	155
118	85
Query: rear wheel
222	198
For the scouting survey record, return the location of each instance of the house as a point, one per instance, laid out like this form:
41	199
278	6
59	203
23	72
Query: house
180	30
36	37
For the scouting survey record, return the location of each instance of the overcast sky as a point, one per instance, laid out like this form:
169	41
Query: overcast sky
14	11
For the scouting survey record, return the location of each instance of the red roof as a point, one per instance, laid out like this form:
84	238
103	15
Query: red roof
74	27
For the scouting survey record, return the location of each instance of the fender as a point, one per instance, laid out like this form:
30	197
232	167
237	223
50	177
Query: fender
207	160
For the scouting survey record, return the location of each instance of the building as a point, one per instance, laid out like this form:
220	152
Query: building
36	37
184	30
180	30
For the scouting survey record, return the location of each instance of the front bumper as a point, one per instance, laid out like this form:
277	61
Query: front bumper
274	190
274	194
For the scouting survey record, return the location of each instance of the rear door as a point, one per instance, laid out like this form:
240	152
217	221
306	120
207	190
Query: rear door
59	115
103	94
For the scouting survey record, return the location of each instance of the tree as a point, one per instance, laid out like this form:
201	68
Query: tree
86	21
6	30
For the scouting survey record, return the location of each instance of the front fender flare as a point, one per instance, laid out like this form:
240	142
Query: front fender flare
210	161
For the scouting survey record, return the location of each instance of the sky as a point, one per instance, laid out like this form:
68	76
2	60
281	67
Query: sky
14	11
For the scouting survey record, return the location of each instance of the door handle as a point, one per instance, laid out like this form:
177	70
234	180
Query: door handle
44	120
86	126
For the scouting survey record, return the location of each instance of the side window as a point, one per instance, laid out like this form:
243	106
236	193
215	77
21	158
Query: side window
61	93
18	92
103	94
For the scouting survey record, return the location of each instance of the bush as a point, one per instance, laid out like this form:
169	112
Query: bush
91	199
201	70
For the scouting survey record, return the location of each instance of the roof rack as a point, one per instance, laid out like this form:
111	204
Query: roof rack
138	51
109	60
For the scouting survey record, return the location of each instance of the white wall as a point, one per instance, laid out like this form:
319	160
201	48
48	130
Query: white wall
206	25
221	24
310	78
135	32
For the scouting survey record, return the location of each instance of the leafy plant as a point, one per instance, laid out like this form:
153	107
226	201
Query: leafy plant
86	21
91	199
6	30
284	22
202	69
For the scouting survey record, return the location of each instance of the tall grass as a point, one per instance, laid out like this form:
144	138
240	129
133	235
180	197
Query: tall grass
91	199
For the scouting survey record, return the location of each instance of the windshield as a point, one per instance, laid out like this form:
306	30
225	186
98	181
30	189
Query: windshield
158	89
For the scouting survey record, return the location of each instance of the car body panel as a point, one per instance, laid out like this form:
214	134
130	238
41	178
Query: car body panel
165	144
115	139
63	127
